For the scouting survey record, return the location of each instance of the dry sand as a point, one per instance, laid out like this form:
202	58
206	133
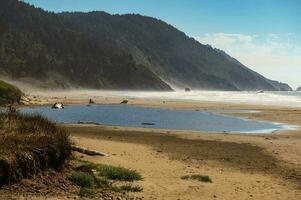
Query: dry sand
241	166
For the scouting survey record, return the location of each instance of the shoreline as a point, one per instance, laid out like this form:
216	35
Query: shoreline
82	96
248	166
258	112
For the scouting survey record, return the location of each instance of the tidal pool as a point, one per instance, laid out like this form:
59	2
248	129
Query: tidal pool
147	117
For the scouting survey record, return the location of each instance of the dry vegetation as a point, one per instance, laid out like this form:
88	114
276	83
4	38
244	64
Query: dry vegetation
33	152
29	145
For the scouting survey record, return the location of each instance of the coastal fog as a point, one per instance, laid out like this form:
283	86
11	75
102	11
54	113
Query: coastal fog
242	97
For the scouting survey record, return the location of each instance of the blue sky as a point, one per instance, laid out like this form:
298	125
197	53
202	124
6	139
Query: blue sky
265	35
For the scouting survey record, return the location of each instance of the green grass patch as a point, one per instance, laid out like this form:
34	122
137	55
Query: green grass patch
82	179
114	173
91	177
118	173
102	182
197	177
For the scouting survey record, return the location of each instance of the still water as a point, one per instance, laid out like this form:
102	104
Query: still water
134	116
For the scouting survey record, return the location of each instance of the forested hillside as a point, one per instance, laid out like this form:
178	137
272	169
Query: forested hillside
35	44
99	50
172	55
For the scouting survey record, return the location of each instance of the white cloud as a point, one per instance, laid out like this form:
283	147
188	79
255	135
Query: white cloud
225	38
270	54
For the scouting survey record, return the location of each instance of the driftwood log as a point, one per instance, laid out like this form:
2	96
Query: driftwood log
87	151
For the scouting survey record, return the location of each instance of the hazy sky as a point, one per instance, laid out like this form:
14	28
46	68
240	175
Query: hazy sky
265	35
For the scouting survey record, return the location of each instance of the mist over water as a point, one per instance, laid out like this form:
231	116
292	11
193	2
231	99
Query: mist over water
291	99
266	98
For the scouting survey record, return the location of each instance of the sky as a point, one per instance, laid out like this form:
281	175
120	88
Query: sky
264	35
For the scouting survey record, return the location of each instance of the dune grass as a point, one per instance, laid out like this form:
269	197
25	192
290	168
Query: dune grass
118	173
102	182
127	188
198	177
30	144
82	179
99	176
114	173
9	94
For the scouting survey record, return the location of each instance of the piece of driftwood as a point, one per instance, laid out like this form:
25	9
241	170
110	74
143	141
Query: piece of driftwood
87	151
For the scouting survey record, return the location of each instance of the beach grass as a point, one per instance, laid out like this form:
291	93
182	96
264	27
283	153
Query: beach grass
127	188
9	94
113	172
88	175
198	177
81	179
30	144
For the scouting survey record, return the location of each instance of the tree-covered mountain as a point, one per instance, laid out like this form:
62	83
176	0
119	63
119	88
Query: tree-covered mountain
39	45
100	50
172	55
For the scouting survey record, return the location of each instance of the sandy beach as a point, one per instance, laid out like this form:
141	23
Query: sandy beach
241	166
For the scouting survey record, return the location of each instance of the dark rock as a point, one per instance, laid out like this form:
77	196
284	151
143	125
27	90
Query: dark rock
91	101
148	123
298	89
88	122
124	102
187	89
58	106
